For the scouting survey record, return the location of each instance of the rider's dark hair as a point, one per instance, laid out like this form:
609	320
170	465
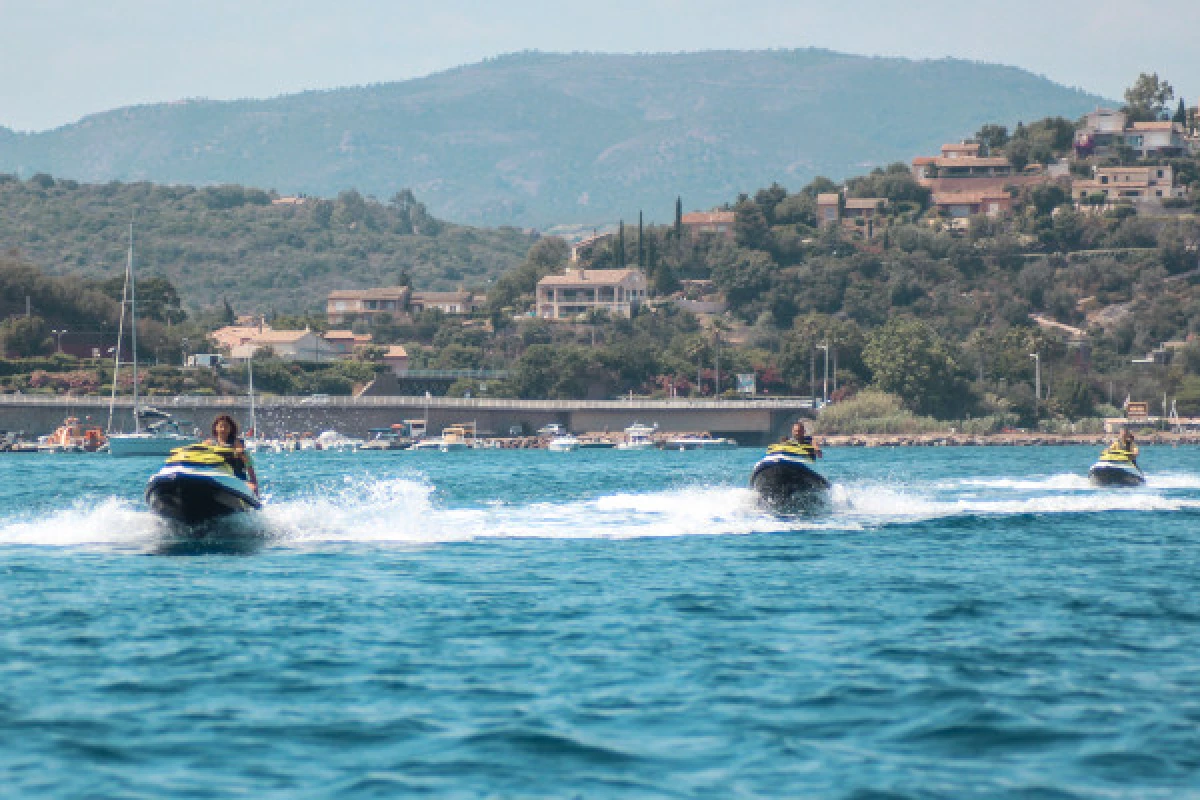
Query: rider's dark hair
233	427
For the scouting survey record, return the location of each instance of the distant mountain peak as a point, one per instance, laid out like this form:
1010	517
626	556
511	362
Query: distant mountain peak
520	138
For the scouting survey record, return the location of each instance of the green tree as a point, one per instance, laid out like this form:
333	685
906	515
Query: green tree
907	358
750	227
1148	97
25	336
1181	115
744	277
992	137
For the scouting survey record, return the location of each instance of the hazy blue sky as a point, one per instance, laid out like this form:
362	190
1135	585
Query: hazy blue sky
62	59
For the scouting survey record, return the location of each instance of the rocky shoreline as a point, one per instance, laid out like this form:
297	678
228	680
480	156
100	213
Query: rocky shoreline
997	439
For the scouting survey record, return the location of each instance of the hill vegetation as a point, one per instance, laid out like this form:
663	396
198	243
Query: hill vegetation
232	243
542	139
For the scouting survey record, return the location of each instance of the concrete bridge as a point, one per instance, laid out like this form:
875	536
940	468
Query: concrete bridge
750	422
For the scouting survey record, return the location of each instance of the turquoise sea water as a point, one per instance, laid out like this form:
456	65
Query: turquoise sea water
960	623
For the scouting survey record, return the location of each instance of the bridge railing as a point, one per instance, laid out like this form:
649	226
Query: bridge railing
398	401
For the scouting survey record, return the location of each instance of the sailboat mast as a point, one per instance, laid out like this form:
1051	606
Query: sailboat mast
137	421
117	350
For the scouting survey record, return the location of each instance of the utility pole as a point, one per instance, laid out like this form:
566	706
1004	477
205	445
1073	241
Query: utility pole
1037	382
835	369
717	362
825	380
812	377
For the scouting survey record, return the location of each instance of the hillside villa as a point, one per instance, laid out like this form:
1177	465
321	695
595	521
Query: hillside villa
617	291
345	342
303	345
347	306
585	249
447	302
958	205
717	223
1104	131
1137	185
853	213
243	341
396	359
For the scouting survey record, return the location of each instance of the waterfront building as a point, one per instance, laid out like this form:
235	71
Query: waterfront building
617	291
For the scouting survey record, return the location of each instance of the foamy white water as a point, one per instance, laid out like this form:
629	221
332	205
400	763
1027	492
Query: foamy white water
404	511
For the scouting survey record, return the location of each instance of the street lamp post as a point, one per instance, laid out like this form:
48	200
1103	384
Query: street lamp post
825	379
58	335
1037	382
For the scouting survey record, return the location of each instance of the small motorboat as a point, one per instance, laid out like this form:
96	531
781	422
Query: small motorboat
197	484
784	477
1116	467
563	444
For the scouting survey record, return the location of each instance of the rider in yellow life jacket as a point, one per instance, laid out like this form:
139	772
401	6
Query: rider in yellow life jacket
800	438
225	434
1125	442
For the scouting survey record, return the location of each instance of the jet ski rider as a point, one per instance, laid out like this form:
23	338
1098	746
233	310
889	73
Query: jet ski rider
1126	443
225	434
800	438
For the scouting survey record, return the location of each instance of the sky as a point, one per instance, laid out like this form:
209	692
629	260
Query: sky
63	59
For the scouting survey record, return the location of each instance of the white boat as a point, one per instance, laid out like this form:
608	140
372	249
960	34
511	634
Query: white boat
563	444
639	437
700	443
163	434
332	440
453	438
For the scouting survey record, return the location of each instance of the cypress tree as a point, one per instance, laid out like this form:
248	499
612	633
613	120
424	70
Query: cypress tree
678	218
621	244
641	252
1180	113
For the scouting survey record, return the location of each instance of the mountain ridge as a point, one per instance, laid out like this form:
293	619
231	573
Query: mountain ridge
538	138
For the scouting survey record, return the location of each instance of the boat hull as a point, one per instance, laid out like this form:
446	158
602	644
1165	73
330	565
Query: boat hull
784	481
192	495
1108	473
147	444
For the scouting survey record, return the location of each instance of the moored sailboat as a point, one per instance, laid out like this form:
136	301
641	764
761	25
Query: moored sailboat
162	434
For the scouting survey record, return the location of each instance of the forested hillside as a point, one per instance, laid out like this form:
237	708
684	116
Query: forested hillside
230	242
541	139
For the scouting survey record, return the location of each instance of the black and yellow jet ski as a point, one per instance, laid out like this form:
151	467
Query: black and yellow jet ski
1116	467
784	477
198	484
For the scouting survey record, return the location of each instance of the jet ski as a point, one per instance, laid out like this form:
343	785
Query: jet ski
785	479
198	484
1116	467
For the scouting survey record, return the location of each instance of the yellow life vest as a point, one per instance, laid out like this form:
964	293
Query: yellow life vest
792	449
203	455
1115	454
